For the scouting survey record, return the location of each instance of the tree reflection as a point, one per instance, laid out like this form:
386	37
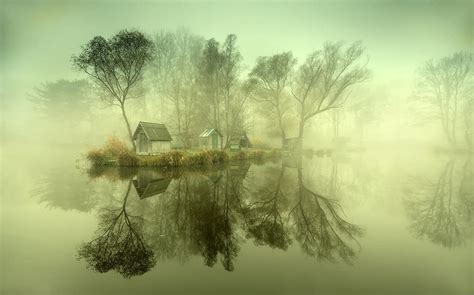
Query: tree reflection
319	228
119	244
65	189
197	217
442	211
214	222
209	213
264	218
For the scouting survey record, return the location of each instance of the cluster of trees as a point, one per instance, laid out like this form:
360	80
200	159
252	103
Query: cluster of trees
203	82
190	84
446	86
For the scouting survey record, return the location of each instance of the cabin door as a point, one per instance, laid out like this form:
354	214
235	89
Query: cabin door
142	143
214	141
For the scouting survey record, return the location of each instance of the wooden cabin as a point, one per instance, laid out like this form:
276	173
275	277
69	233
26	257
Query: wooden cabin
151	138
238	141
211	139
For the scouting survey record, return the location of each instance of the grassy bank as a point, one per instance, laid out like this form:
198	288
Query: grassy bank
115	153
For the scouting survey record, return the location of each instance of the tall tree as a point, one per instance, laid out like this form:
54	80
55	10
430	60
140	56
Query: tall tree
116	65
175	70
65	102
231	69
63	99
324	78
447	85
270	77
210	81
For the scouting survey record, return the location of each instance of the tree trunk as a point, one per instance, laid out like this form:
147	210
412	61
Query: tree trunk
130	134
468	134
301	134
282	129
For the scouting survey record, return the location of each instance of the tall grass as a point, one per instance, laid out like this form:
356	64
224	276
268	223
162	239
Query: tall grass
116	152
127	159
113	150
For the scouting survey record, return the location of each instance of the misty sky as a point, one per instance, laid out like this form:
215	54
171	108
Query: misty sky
39	37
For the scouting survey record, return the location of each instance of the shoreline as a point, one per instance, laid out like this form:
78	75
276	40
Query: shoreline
177	158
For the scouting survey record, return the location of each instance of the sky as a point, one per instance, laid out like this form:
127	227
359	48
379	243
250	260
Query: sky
38	38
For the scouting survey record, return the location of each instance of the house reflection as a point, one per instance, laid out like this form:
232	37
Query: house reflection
150	183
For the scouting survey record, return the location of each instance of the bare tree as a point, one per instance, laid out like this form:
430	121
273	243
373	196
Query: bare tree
324	78
445	84
231	68
468	107
270	77
337	116
175	69
116	65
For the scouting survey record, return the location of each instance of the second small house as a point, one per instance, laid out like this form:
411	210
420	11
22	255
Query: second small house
238	141
151	138
210	139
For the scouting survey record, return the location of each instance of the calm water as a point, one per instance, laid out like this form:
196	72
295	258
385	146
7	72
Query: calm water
360	223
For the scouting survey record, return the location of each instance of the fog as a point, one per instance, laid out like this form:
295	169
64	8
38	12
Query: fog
336	156
38	39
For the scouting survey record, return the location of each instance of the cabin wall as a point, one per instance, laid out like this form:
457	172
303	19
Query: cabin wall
142	143
160	146
206	142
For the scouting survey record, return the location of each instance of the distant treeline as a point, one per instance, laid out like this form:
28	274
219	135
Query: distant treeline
190	84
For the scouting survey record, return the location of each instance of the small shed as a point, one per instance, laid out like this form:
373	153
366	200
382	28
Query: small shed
210	138
152	138
238	141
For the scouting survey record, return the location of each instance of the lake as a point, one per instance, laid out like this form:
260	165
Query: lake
354	223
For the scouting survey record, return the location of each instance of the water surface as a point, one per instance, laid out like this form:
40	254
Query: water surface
353	223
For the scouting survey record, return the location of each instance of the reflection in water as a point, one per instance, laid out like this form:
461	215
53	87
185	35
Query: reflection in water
150	183
442	211
67	191
319	228
264	222
119	244
211	212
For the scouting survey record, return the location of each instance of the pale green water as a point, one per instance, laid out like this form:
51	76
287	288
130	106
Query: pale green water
368	223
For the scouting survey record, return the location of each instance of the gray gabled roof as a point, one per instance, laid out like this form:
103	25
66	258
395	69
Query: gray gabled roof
153	131
152	188
209	131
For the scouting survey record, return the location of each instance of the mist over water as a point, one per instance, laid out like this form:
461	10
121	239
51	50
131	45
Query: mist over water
378	200
246	221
